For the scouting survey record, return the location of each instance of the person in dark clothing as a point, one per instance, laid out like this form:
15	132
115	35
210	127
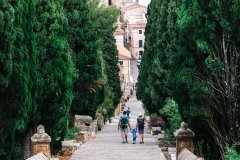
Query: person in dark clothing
140	126
128	112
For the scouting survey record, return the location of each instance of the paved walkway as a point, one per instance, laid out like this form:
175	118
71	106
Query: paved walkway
108	146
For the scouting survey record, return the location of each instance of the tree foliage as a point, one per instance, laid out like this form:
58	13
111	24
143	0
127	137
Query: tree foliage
231	153
7	38
193	57
18	72
88	84
53	53
55	69
171	112
105	27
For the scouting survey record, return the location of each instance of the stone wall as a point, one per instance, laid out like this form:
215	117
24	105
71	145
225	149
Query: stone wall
82	121
68	148
86	123
164	145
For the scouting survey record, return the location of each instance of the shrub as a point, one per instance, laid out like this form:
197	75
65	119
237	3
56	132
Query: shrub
71	133
171	112
231	153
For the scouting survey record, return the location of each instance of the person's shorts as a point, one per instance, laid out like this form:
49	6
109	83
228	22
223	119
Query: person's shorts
124	131
141	131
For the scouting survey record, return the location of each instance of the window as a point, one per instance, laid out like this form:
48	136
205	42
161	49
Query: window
109	2
140	43
140	31
140	54
120	62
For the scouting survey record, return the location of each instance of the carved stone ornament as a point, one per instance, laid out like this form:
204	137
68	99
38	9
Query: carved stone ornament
41	136
184	132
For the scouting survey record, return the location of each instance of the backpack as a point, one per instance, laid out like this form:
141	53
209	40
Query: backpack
140	123
128	112
124	122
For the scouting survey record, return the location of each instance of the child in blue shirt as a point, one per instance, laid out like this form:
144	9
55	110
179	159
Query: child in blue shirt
134	135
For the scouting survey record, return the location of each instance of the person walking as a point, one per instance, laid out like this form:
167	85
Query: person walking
123	125
128	112
140	127
134	135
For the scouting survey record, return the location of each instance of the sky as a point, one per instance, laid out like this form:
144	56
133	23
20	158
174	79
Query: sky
144	2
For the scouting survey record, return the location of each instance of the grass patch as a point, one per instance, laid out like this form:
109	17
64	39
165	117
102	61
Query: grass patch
71	133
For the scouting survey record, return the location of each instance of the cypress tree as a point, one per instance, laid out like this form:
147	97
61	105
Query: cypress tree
143	90
55	69
18	57
158	75
106	28
85	47
215	34
194	60
152	86
6	39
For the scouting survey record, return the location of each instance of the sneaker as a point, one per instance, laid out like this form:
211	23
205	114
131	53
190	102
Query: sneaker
126	141
134	142
123	142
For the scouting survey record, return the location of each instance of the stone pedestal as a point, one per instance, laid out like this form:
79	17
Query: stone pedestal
100	121
83	136
184	139
41	142
69	147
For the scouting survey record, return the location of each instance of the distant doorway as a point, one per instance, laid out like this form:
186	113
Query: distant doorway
109	2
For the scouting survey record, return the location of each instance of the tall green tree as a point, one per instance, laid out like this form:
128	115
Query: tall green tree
105	27
214	32
195	60
6	39
55	69
143	89
85	49
18	72
152	81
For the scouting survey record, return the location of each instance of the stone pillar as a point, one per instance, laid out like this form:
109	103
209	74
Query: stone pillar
184	139
41	142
